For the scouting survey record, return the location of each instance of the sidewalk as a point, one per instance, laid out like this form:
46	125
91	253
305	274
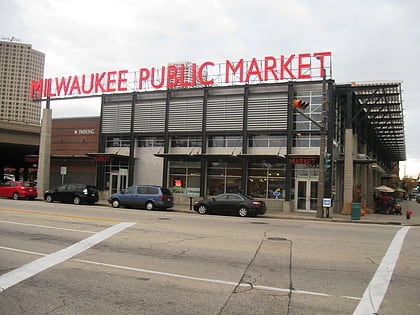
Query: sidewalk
373	218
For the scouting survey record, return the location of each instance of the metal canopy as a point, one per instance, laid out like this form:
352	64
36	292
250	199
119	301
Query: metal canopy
379	117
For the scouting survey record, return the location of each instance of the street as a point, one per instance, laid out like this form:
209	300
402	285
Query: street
66	259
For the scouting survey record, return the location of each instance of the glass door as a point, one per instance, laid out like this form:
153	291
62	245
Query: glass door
118	181
306	197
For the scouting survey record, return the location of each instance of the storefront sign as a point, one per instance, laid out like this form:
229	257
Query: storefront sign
304	66
304	161
99	158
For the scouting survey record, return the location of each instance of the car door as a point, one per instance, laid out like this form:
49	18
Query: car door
141	196
233	203
7	189
128	197
60	193
219	204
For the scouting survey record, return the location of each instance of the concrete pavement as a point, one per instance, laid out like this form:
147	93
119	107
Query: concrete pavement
373	218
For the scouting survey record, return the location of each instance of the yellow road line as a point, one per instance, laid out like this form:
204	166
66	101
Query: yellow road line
59	215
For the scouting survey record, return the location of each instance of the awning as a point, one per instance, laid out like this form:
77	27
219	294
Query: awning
379	118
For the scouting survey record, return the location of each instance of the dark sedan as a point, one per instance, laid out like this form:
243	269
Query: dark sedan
237	204
73	193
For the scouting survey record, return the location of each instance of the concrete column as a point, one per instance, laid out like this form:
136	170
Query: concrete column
348	172
44	155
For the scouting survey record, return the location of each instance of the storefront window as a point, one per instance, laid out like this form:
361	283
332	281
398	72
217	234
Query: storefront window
184	178
266	180
223	178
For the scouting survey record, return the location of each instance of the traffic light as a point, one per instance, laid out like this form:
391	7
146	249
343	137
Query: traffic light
300	104
327	164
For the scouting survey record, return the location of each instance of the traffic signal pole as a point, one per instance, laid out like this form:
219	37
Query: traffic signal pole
321	175
298	105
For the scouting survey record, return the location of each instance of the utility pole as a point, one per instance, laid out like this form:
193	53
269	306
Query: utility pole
321	175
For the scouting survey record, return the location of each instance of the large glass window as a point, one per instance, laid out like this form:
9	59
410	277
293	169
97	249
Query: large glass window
117	142
225	141
267	180
186	141
150	142
184	178
306	141
267	141
223	177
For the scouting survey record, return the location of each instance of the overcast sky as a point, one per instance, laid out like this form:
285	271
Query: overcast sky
370	40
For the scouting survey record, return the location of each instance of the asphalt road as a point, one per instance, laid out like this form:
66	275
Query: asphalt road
67	259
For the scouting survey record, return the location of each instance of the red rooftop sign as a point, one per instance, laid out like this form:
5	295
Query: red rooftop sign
304	66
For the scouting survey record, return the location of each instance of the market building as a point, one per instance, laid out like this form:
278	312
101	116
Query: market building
205	141
233	127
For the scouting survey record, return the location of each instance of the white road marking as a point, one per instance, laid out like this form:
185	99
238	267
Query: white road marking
20	274
376	290
47	227
173	275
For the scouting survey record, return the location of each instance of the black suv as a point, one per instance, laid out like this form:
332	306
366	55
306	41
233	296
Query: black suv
73	193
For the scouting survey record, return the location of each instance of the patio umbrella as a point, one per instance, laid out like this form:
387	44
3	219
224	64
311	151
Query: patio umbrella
384	188
399	190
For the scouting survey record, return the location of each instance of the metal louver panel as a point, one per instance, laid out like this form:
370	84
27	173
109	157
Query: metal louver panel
149	116
267	111
186	114
116	118
225	113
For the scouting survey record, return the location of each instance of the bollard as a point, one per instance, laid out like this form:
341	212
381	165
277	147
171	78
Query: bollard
408	214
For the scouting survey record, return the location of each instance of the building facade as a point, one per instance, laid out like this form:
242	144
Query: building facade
205	141
19	64
19	115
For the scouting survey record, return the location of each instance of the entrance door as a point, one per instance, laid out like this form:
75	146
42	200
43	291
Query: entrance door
306	195
118	182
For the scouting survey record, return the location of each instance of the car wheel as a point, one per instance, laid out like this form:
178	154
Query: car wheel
15	196
202	209
115	203
243	212
48	198
149	205
76	200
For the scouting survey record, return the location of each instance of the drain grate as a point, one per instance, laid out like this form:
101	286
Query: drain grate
258	222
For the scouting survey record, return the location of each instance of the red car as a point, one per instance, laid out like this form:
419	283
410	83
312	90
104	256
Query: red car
18	190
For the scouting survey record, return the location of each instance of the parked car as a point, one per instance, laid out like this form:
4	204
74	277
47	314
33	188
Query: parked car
73	193
17	190
237	204
145	196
